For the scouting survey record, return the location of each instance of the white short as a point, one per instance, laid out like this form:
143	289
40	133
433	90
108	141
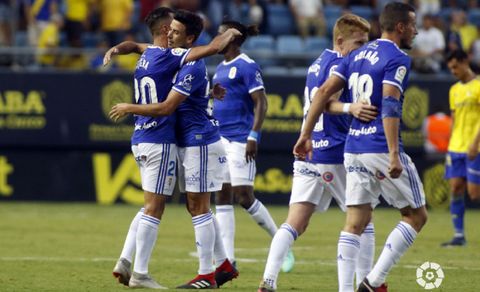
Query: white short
367	178
240	172
318	184
157	163
202	168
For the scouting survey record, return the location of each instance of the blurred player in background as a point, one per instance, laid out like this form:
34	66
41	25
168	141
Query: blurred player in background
202	161
319	179
240	115
463	161
154	139
375	162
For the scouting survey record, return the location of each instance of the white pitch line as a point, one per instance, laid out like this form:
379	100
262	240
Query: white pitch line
193	258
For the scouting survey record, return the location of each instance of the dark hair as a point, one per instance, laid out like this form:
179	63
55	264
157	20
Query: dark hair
250	30
458	55
394	13
193	23
157	15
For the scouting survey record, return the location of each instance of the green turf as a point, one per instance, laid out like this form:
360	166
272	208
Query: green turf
73	247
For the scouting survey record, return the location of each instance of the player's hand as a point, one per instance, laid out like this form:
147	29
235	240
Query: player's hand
108	55
363	111
118	111
218	91
251	151
303	148
472	152
234	32
395	168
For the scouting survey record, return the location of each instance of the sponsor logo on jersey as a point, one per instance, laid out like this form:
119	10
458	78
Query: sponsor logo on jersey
363	131
145	126
320	144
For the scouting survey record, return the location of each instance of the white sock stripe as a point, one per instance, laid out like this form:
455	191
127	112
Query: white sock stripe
201	218
349	241
290	229
254	207
150	219
405	233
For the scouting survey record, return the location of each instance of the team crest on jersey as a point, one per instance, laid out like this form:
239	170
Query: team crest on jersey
258	77
187	82
327	176
400	74
379	175
178	51
232	73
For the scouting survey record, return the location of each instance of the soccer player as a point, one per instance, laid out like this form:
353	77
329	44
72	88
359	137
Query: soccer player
375	73
240	115
202	160
319	179
463	162
153	141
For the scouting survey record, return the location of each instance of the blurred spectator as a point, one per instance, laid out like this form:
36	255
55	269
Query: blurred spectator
308	14
461	32
49	39
425	7
37	14
475	54
5	22
428	47
255	13
76	20
115	17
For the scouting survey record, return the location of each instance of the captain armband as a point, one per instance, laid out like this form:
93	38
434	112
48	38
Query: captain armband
391	107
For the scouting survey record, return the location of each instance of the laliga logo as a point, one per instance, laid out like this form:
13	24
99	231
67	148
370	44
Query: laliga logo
430	275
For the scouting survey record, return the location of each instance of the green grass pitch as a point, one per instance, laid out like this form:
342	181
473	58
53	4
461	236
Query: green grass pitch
73	247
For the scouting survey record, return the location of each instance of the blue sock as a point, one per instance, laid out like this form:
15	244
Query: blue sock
457	209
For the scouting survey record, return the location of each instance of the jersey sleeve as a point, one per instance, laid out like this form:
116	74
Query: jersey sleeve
252	76
178	56
340	68
451	99
187	80
396	72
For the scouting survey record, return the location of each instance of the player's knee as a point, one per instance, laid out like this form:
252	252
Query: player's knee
154	210
244	198
457	189
474	195
355	228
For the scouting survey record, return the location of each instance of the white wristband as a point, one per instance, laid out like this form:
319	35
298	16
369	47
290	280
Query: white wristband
346	107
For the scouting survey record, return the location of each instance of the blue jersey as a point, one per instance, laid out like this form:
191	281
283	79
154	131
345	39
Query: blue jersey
329	134
194	127
240	77
366	70
153	81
